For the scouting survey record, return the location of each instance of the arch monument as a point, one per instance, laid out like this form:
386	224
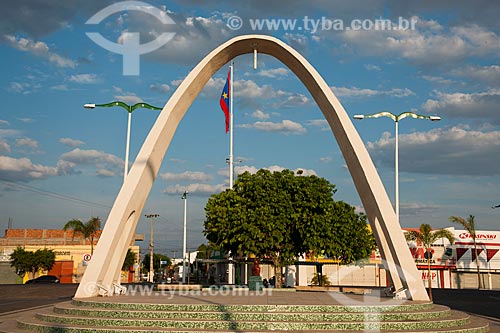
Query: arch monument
103	270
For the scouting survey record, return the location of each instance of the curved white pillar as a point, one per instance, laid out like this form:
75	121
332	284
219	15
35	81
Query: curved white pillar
120	226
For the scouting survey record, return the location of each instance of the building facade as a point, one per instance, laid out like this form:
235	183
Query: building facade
73	253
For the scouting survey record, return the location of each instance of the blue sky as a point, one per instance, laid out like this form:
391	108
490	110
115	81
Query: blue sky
59	161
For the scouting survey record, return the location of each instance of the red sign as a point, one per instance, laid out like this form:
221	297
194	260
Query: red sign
464	235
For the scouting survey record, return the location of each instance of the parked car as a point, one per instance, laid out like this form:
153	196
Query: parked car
44	279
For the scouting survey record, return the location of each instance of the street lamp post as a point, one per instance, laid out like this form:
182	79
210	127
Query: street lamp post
151	218
184	197
130	109
396	119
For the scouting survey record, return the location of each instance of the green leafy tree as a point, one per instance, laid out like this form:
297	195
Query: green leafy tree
470	225
129	260
322	281
32	262
281	215
88	230
202	252
156	261
427	237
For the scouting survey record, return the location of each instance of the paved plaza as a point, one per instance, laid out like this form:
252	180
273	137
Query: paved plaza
21	300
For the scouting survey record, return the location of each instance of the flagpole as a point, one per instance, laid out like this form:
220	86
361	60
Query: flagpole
230	278
231	92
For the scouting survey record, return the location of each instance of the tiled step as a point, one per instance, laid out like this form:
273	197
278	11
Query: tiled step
34	325
277	313
404	307
454	320
438	311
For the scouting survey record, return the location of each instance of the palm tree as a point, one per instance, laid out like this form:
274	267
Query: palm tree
427	237
88	230
470	225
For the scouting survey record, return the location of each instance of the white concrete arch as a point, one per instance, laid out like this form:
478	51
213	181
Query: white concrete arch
110	251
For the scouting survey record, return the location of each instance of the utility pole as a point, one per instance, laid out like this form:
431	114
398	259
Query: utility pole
151	218
184	197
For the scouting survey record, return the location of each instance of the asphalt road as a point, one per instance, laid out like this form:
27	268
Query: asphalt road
19	297
480	302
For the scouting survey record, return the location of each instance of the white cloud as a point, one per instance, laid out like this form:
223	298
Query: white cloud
6	133
260	115
195	37
60	87
129	99
126	96
484	74
4	146
24	88
417	209
273	73
429	44
293	100
99	159
321	123
22	169
273	168
484	105
71	142
160	88
437	79
249	93
66	168
187	175
178	82
104	173
39	49
4	122
27	142
252	95
26	120
241	169
297	41
195	189
360	92
370	67
177	160
85	78
325	159
285	127
456	151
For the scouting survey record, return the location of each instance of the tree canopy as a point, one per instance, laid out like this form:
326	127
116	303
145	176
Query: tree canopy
156	261
470	225
129	260
282	215
88	230
427	237
31	262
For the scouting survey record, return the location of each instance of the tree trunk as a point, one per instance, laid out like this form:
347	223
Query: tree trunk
91	246
479	282
277	273
429	280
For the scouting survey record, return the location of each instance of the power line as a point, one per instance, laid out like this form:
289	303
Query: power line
53	194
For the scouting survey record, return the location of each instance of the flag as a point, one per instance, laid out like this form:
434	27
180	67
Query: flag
224	100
